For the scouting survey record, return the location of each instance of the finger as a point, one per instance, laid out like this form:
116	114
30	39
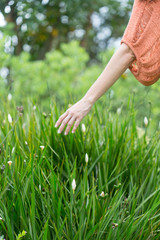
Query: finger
76	124
60	119
64	122
69	125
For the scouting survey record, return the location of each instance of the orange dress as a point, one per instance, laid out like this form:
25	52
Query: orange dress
142	35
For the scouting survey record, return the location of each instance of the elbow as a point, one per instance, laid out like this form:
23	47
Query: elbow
129	52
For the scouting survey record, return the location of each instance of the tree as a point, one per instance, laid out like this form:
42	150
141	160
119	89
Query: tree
40	26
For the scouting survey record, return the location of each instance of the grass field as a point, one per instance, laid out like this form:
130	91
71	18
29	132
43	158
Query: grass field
103	182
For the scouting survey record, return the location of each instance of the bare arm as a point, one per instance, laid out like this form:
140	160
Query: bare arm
118	63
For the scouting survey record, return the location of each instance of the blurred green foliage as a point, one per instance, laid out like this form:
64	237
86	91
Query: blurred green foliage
44	25
66	74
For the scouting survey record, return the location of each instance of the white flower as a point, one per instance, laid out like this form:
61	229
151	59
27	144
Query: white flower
86	158
13	149
102	194
9	162
34	107
9	118
83	127
145	121
73	185
42	147
9	96
119	111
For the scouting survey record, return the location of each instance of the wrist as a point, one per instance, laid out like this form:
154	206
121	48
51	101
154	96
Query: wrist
89	99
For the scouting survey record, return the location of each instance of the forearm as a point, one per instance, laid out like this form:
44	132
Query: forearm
118	63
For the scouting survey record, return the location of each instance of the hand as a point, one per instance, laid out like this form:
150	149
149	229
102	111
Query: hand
74	113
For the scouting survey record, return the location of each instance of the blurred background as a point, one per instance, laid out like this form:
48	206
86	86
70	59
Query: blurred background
55	50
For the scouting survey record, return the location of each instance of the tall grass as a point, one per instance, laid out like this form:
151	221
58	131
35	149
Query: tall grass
117	191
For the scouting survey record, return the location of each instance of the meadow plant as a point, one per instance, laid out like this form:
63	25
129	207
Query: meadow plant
102	182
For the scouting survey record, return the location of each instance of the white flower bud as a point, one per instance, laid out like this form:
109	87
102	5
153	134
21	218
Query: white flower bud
86	158
13	149
83	127
9	96
9	118
42	147
145	121
119	111
102	194
73	185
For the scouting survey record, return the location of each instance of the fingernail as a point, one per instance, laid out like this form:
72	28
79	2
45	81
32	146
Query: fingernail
55	125
72	132
65	133
59	131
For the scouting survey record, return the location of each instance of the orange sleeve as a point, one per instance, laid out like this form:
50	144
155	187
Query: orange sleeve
142	35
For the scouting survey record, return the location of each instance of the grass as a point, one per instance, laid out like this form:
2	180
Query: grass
36	194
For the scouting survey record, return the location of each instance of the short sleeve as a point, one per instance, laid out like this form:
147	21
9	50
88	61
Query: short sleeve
142	35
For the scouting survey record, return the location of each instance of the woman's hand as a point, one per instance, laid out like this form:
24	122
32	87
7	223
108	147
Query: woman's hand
74	113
